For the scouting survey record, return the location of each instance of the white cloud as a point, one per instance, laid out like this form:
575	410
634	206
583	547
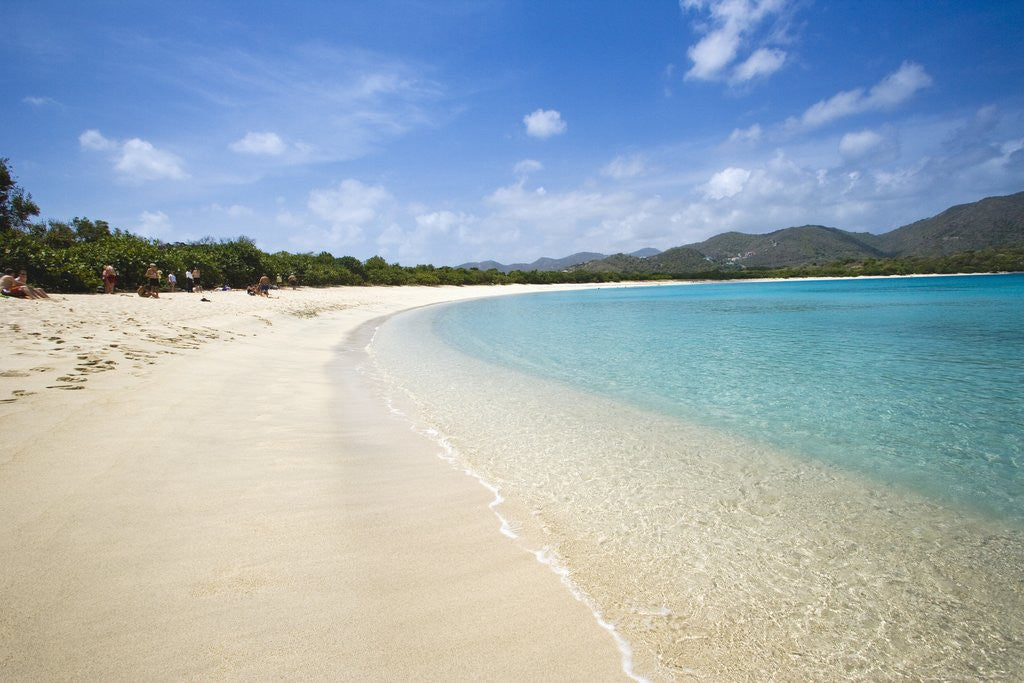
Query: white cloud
413	245
136	160
751	134
860	143
39	101
763	62
350	203
731	29
153	224
345	102
622	167
726	183
260	143
235	211
892	90
543	123
93	139
140	160
527	166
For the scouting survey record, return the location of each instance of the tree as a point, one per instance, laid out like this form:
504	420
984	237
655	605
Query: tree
16	206
90	231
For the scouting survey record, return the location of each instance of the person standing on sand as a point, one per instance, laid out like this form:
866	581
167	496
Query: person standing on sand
172	280
153	276
293	281
109	279
264	288
197	285
189	282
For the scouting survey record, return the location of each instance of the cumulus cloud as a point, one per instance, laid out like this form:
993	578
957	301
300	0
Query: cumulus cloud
135	159
93	139
731	29
260	143
860	143
153	224
894	89
726	183
544	123
622	167
140	160
351	203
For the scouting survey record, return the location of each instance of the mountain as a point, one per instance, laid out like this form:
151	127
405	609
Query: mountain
989	223
545	264
808	244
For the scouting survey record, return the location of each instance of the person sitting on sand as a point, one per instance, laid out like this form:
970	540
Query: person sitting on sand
153	277
264	286
109	279
30	292
9	286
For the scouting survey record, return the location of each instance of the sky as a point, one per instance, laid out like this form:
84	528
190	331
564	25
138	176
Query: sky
445	132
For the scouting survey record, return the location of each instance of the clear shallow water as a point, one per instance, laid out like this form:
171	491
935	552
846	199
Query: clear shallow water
914	379
804	479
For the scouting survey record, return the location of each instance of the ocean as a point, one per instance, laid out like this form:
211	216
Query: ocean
750	480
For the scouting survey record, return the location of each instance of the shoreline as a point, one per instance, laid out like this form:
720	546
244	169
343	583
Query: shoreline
739	551
207	490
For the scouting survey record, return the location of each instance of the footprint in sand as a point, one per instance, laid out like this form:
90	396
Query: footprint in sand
14	373
70	378
41	368
69	387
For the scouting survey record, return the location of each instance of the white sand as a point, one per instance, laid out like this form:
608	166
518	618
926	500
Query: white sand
208	490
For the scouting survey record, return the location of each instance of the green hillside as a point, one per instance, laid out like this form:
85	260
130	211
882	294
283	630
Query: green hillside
987	225
991	222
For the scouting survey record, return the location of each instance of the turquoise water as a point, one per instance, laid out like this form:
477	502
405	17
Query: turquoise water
750	481
916	380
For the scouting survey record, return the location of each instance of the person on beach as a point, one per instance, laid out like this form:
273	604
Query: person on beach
153	278
109	279
196	284
189	282
172	280
9	285
264	286
293	281
30	292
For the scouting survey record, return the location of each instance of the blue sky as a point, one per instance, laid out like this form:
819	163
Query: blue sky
444	132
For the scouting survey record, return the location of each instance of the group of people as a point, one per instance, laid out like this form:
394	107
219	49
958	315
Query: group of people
17	286
193	281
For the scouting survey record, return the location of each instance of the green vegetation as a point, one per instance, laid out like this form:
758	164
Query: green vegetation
69	257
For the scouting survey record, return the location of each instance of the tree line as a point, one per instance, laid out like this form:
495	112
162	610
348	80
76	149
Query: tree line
69	257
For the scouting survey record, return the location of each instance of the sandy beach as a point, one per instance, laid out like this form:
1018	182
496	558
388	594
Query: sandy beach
208	490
